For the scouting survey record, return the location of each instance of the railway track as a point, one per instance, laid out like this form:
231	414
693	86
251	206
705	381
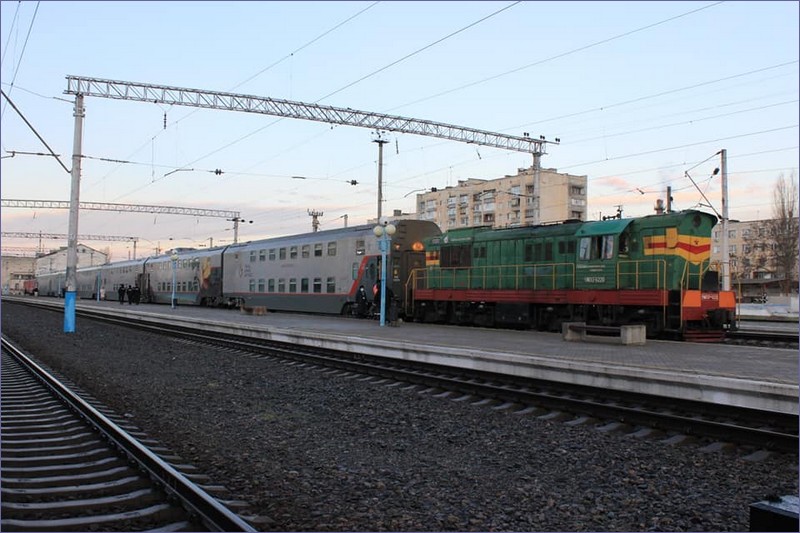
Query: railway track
780	339
711	425
68	467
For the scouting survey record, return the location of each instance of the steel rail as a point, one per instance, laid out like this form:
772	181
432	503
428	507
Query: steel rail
199	503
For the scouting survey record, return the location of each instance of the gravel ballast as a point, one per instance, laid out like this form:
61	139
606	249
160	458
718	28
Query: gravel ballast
321	453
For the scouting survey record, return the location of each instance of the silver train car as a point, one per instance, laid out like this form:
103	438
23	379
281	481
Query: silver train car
317	272
198	278
320	272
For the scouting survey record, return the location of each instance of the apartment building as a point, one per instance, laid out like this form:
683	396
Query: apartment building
509	201
748	248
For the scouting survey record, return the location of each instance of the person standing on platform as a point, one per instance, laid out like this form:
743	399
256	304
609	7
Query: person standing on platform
361	302
121	292
130	295
137	294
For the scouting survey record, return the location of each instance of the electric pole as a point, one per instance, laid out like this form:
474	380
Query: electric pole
315	219
381	141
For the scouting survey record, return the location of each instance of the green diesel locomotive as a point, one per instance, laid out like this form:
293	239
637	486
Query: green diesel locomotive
653	270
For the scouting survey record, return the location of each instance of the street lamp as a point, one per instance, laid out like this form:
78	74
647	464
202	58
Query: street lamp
383	231
174	258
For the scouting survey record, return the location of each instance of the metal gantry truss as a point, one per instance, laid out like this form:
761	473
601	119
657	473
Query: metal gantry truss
164	94
129	208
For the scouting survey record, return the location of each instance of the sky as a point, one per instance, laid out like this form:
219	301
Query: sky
642	95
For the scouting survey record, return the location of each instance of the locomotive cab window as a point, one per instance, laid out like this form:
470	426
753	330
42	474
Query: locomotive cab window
600	247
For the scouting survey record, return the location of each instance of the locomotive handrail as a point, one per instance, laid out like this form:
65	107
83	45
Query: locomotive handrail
660	273
503	276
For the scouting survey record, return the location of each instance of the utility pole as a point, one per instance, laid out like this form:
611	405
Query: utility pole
315	219
70	295
726	257
236	221
381	141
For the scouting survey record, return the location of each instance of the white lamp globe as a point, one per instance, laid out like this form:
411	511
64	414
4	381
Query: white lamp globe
390	229
378	231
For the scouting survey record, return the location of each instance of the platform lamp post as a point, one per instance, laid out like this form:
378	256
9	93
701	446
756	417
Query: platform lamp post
384	231
174	258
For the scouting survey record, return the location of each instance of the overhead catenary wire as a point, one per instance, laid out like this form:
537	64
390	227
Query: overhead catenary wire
558	56
19	61
34	131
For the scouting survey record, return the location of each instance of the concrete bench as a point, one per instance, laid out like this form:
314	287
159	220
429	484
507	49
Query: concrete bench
579	331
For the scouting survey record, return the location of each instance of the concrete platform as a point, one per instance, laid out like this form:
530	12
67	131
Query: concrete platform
756	377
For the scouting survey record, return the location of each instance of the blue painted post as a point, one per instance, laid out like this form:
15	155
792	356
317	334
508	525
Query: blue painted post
384	244
174	271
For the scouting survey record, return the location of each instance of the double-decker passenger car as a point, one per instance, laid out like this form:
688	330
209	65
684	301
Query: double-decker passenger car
320	272
652	270
317	272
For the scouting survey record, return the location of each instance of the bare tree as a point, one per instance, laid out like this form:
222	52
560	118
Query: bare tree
783	231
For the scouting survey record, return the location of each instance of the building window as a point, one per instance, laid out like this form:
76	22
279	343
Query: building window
306	251
282	254
331	285
281	285
331	249
731	233
304	285
361	247
318	285
261	285
318	250
252	256
293	285
262	255
272	254
271	285
293	252
252	285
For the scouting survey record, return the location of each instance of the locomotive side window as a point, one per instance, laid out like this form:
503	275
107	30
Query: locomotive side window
585	248
596	248
548	251
623	244
456	256
608	247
